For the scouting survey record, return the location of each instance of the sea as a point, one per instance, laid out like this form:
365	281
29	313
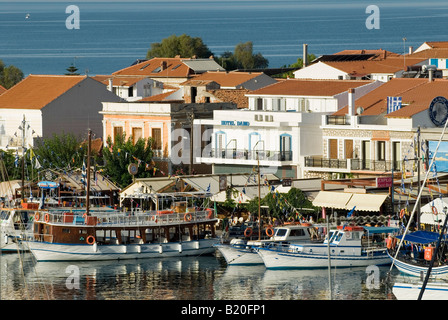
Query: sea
113	34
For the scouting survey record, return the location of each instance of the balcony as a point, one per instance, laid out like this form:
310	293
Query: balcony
348	165
248	157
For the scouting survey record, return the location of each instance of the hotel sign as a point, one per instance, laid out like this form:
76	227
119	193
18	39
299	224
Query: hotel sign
235	123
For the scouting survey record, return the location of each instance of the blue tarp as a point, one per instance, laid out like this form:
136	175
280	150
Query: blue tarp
422	237
381	229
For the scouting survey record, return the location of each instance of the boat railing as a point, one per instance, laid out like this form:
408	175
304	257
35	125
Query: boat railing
125	218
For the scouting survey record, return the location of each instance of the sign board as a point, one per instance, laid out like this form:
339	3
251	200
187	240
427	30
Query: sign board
222	183
48	185
286	182
383	182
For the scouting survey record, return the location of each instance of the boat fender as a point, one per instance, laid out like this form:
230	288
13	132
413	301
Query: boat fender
402	212
160	249
187	217
180	247
248	232
90	240
434	210
95	247
269	231
6	239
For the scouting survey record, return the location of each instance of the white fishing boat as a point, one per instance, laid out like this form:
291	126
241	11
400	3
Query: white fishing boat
349	246
16	225
242	252
409	288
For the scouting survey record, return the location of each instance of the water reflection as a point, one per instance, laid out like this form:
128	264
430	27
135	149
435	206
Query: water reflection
187	278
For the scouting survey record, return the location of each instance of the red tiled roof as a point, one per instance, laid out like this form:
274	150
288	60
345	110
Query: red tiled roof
159	97
36	91
125	81
226	79
174	68
380	53
390	65
301	87
416	95
2	89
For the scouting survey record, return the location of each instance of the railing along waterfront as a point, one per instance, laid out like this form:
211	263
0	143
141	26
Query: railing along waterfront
244	154
353	164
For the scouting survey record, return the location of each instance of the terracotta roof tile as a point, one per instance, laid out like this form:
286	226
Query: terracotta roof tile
227	79
431	53
416	95
390	65
301	87
2	89
174	68
125	81
36	91
162	97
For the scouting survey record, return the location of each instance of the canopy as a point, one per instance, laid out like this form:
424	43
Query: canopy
421	237
346	200
381	229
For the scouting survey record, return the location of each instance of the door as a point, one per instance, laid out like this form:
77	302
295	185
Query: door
285	148
365	155
348	149
333	148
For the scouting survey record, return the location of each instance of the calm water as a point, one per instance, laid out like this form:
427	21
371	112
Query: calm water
192	278
113	35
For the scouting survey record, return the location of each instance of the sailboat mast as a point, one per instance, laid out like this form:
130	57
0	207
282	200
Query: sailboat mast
89	145
23	159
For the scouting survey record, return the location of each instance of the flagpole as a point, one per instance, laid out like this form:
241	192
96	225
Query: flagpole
88	174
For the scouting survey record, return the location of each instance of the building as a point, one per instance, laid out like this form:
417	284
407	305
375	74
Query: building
280	127
131	88
170	71
51	105
168	124
373	135
378	65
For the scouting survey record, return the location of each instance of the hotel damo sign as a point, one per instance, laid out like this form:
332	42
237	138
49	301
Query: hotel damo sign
383	182
235	123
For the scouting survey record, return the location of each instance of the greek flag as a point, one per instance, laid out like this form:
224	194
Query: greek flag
84	174
393	104
16	160
208	188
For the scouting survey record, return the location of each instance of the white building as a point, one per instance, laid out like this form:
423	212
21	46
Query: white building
280	128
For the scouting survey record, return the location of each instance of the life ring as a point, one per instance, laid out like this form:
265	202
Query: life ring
434	210
248	232
269	231
187	217
90	240
47	217
402	212
36	216
210	213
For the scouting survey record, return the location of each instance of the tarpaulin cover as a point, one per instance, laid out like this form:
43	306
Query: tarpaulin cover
423	237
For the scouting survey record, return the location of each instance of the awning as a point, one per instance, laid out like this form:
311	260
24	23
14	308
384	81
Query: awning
421	237
328	199
346	200
373	230
366	202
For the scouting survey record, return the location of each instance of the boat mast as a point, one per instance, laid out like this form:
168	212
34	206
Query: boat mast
22	194
89	145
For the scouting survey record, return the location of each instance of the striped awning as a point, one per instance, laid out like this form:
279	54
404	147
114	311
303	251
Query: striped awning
328	199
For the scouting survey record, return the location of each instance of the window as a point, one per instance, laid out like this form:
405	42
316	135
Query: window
156	134
137	133
381	152
130	91
259	104
118	131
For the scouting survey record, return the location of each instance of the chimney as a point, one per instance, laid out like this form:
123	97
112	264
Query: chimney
305	55
411	49
351	102
163	66
431	74
110	86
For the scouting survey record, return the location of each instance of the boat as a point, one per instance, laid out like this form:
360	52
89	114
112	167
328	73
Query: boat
243	252
416	253
345	246
15	226
409	288
66	236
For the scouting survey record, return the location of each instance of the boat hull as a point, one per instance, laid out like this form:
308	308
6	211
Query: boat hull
417	271
44	251
408	291
283	260
239	255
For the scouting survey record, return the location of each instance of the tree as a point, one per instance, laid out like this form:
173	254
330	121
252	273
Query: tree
72	71
62	151
296	65
183	46
10	75
122	153
242	58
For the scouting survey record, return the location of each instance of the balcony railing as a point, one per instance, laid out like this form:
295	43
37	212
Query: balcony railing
353	164
244	154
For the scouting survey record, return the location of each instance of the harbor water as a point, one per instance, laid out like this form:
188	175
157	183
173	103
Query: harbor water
187	278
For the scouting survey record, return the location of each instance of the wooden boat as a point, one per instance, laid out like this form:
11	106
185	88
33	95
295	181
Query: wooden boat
349	246
415	255
242	252
63	236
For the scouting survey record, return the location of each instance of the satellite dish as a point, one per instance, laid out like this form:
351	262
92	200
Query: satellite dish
359	110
